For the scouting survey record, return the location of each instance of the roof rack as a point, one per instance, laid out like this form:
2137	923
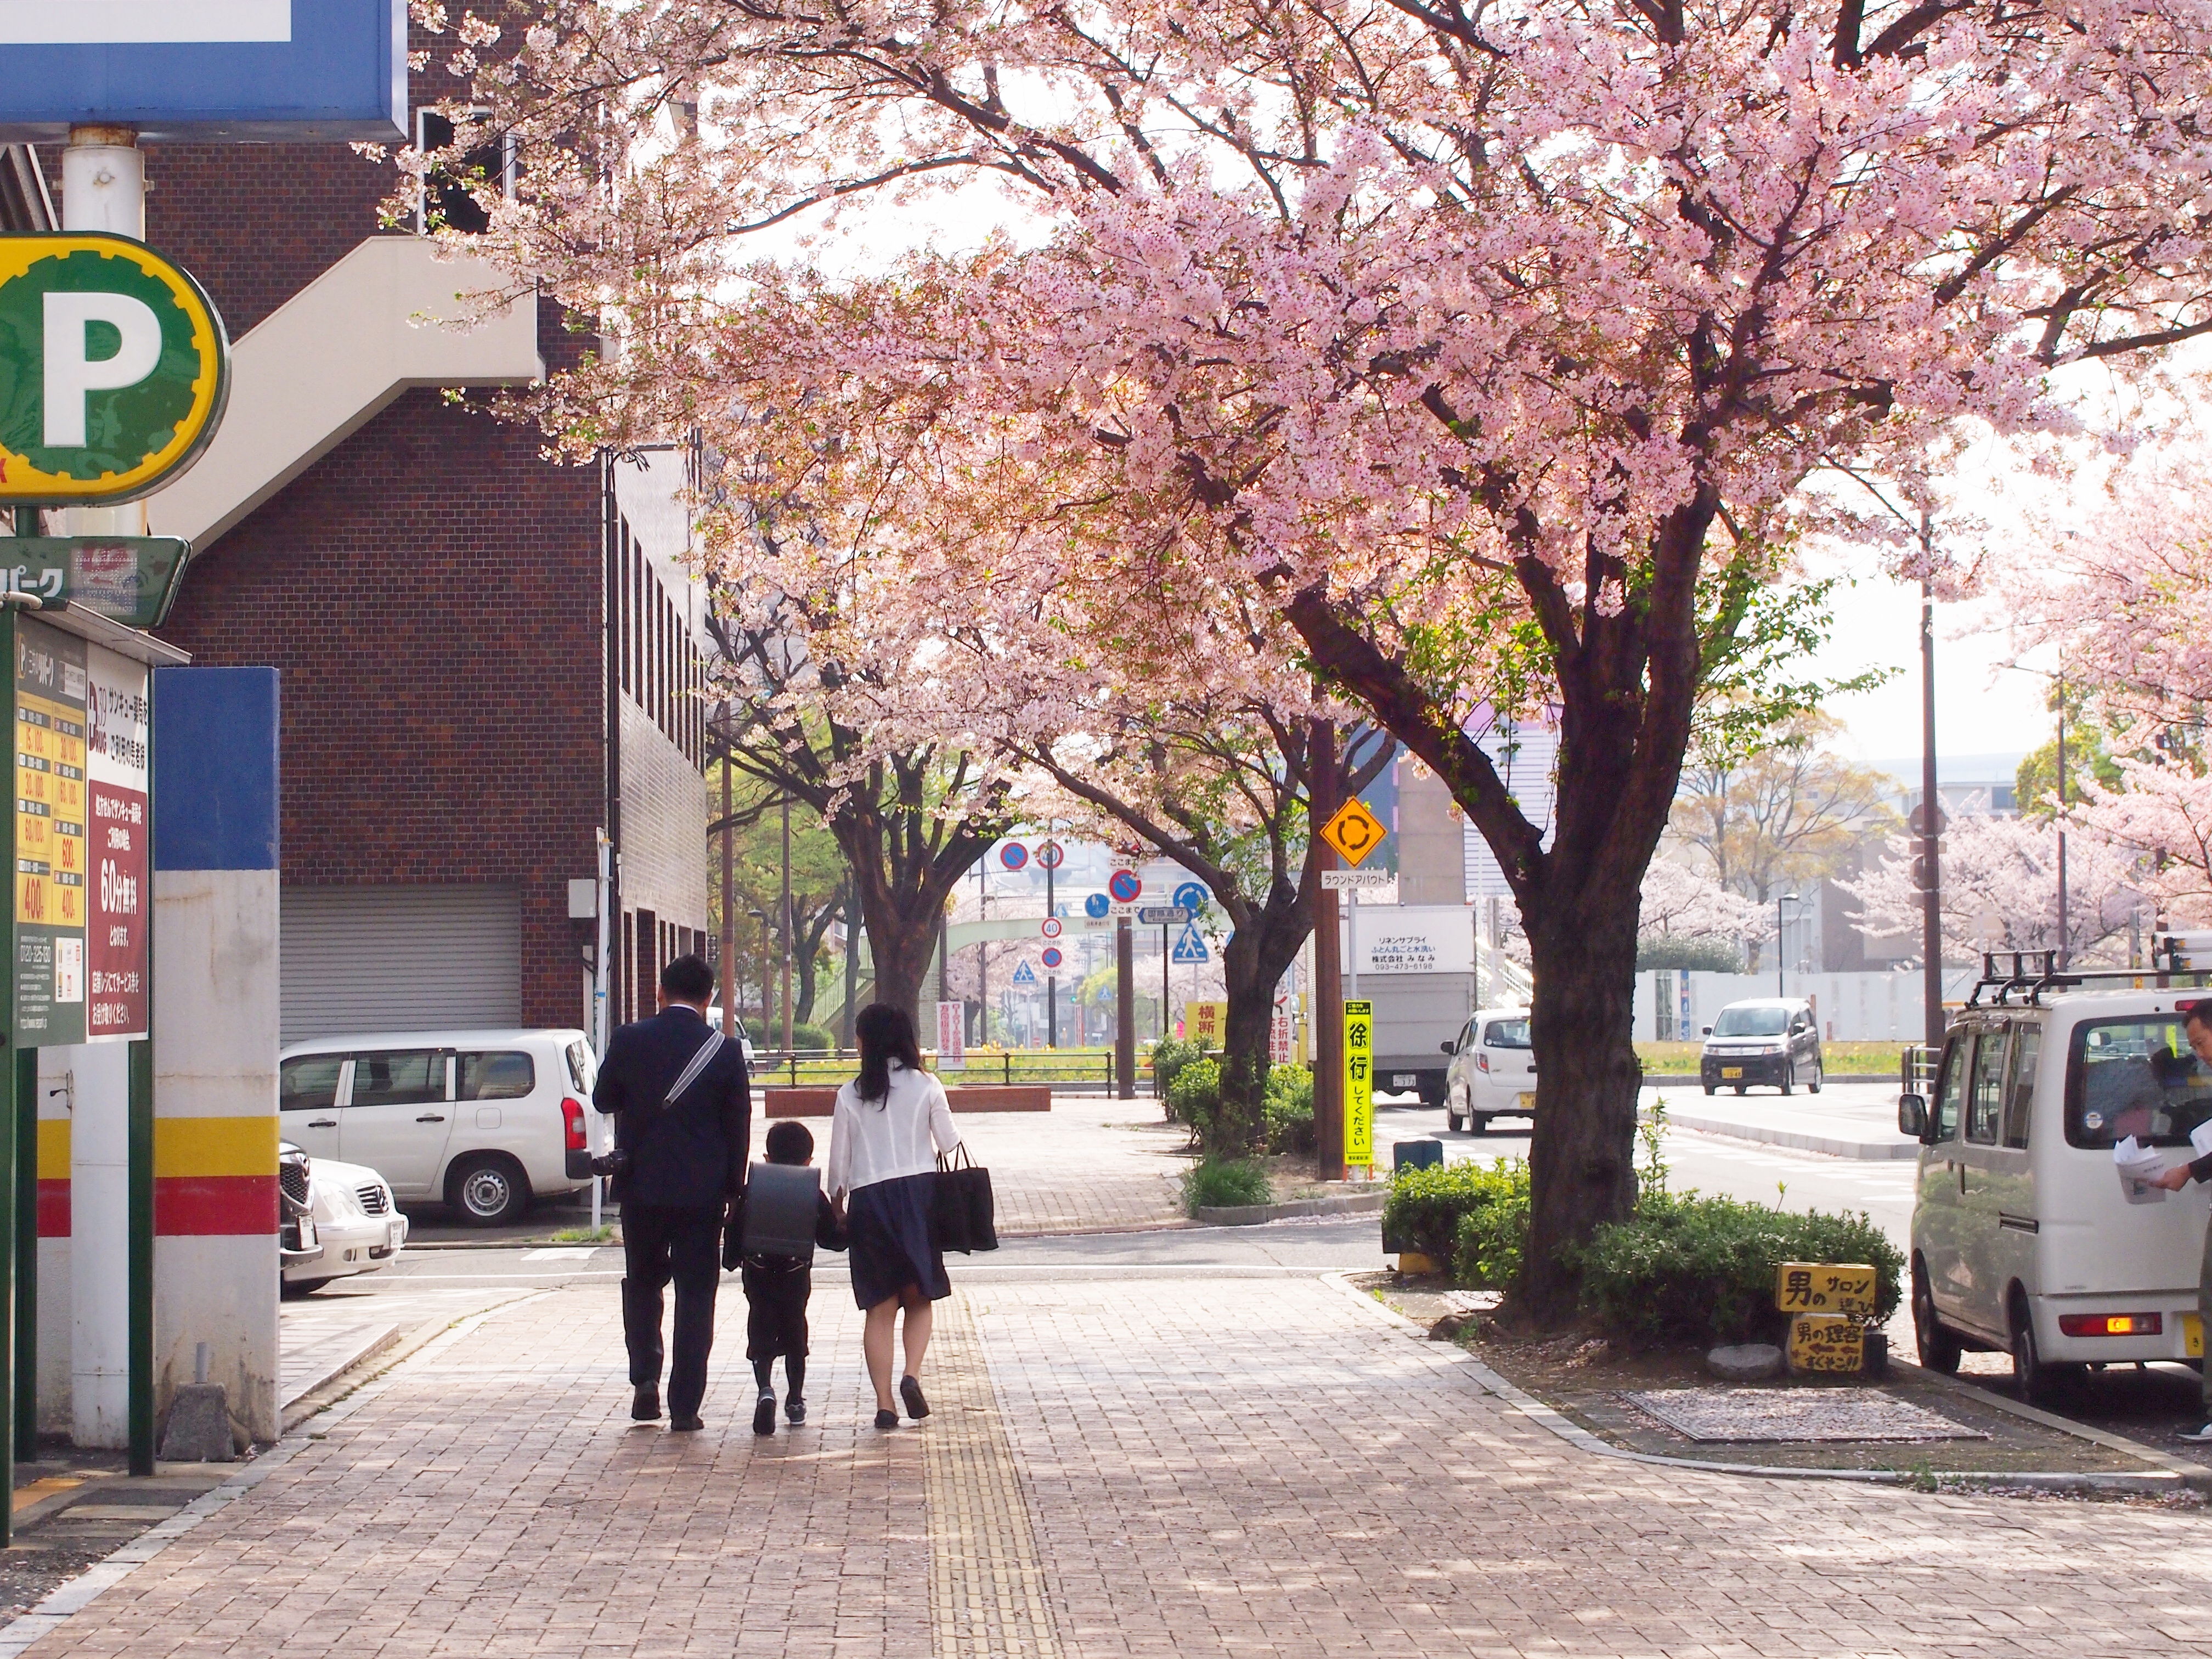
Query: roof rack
2032	972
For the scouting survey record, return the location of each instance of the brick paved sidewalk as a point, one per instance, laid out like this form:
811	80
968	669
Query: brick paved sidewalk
1088	1165
1179	1467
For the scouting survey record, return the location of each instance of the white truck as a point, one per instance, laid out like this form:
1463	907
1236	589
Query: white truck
1416	964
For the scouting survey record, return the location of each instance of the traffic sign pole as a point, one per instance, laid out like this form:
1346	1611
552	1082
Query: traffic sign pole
1125	1007
1050	857
1328	988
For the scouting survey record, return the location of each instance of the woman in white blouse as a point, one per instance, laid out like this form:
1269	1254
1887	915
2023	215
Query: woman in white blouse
891	1123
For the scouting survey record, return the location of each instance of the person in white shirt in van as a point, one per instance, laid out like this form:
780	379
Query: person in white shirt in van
2198	1026
889	1127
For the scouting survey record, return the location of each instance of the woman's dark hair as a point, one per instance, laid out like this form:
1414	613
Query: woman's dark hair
884	1033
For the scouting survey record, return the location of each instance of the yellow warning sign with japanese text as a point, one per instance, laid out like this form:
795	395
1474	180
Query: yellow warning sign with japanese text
1360	1085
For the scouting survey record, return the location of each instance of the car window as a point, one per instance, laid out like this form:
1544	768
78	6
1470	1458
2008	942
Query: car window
2134	1077
1750	1021
1985	1096
503	1074
1506	1034
2020	1092
309	1083
398	1077
1951	1086
583	1067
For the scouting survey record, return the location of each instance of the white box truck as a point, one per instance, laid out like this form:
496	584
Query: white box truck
1416	964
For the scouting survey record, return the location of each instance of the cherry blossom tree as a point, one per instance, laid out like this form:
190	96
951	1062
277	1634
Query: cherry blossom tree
1677	902
1491	346
2001	890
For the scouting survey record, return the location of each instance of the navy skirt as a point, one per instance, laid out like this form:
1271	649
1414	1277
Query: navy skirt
892	1247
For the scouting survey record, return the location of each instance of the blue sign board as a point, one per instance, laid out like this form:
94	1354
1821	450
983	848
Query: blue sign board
1192	895
1190	947
205	68
1096	907
1023	974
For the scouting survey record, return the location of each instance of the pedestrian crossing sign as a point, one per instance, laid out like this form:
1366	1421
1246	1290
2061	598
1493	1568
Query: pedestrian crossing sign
1190	947
1023	974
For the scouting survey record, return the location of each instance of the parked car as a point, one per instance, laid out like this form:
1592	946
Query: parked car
1492	1072
2024	1236
298	1244
1768	1040
484	1120
356	1226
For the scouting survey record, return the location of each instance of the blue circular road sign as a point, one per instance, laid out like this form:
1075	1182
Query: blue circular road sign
1051	956
1192	897
1096	907
1013	855
1125	886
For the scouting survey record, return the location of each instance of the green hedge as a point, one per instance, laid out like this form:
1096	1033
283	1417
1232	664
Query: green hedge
1491	1239
1169	1056
1702	1270
1425	1207
1195	1095
1290	1110
1227	1183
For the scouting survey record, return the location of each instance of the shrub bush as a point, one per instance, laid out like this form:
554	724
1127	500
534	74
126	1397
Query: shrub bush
1702	1270
1425	1207
1491	1239
1290	1110
803	1038
1169	1056
1219	1183
1195	1095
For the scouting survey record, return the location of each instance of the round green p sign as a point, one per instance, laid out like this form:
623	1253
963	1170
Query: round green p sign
114	369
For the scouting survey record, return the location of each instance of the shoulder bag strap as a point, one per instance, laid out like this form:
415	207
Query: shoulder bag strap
700	1058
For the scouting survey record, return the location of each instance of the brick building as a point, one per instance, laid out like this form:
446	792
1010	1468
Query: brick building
485	656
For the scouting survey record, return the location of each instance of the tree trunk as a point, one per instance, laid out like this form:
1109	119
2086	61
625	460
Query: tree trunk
1266	938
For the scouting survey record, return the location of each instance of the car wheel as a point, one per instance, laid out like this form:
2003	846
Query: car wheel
304	1286
1452	1120
1712	1088
1820	1075
1478	1123
2036	1379
488	1189
1938	1349
1788	1080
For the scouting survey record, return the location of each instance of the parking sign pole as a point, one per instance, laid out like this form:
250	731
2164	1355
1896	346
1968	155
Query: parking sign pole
1327	1020
27	1255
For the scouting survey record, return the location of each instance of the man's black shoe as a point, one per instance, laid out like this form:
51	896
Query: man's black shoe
645	1402
684	1426
795	1409
764	1415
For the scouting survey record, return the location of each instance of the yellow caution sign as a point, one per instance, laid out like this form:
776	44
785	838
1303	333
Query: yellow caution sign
1354	831
1824	1287
1360	1085
1206	1022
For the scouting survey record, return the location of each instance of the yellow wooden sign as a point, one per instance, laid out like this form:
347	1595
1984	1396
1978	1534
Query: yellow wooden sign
1206	1022
1827	1342
1824	1287
1360	1085
116	365
1354	831
2192	1336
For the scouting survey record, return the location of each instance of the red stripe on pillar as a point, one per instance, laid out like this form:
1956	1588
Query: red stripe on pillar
205	1205
53	1209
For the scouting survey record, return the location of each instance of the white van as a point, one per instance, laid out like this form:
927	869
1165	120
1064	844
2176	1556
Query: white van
2024	1237
485	1120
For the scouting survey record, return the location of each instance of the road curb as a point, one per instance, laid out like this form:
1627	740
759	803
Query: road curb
1252	1215
2165	1481
1691	1080
1802	1140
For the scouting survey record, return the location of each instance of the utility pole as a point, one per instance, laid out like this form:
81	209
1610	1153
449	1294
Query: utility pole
983	954
2063	934
1048	855
729	901
786	924
1125	1007
1931	815
851	955
1327	986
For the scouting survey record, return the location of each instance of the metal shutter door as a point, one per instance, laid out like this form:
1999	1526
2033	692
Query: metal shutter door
400	959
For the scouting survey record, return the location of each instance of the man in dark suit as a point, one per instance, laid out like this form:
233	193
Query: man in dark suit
683	1176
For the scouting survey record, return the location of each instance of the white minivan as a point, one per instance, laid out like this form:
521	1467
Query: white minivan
485	1120
2024	1237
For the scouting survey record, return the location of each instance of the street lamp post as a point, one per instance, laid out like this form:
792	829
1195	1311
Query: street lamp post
1781	959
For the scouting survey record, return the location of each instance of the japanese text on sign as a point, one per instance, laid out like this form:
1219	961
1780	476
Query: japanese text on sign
1824	1287
1827	1342
51	855
1359	1084
1206	1022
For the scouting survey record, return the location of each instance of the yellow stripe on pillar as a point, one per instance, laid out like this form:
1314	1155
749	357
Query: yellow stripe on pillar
214	1146
53	1149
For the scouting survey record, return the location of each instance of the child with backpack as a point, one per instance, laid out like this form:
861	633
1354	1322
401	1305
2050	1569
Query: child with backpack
777	1286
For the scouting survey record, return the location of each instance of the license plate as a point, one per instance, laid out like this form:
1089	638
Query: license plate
1403	1079
1731	1071
306	1232
2193	1335
1526	1100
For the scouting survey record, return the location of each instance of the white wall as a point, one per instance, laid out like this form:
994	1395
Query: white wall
1868	1007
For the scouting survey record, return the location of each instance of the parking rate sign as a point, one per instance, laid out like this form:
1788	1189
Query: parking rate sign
1360	1085
114	369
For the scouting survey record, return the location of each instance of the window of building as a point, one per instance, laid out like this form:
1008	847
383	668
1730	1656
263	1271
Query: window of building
445	199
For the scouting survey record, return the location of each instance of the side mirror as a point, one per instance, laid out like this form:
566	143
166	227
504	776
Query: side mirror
1707	1030
1447	1047
1912	1117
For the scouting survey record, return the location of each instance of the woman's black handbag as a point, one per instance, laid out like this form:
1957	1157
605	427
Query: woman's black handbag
961	1209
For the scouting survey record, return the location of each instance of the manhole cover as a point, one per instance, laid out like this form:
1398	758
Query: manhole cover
1795	1414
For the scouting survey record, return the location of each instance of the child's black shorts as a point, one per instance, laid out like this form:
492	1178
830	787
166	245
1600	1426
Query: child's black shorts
775	1306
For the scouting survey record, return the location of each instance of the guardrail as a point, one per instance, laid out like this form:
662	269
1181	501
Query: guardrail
1071	1073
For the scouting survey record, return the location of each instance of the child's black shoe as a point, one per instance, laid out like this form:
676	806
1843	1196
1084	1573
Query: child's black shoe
764	1415
795	1409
